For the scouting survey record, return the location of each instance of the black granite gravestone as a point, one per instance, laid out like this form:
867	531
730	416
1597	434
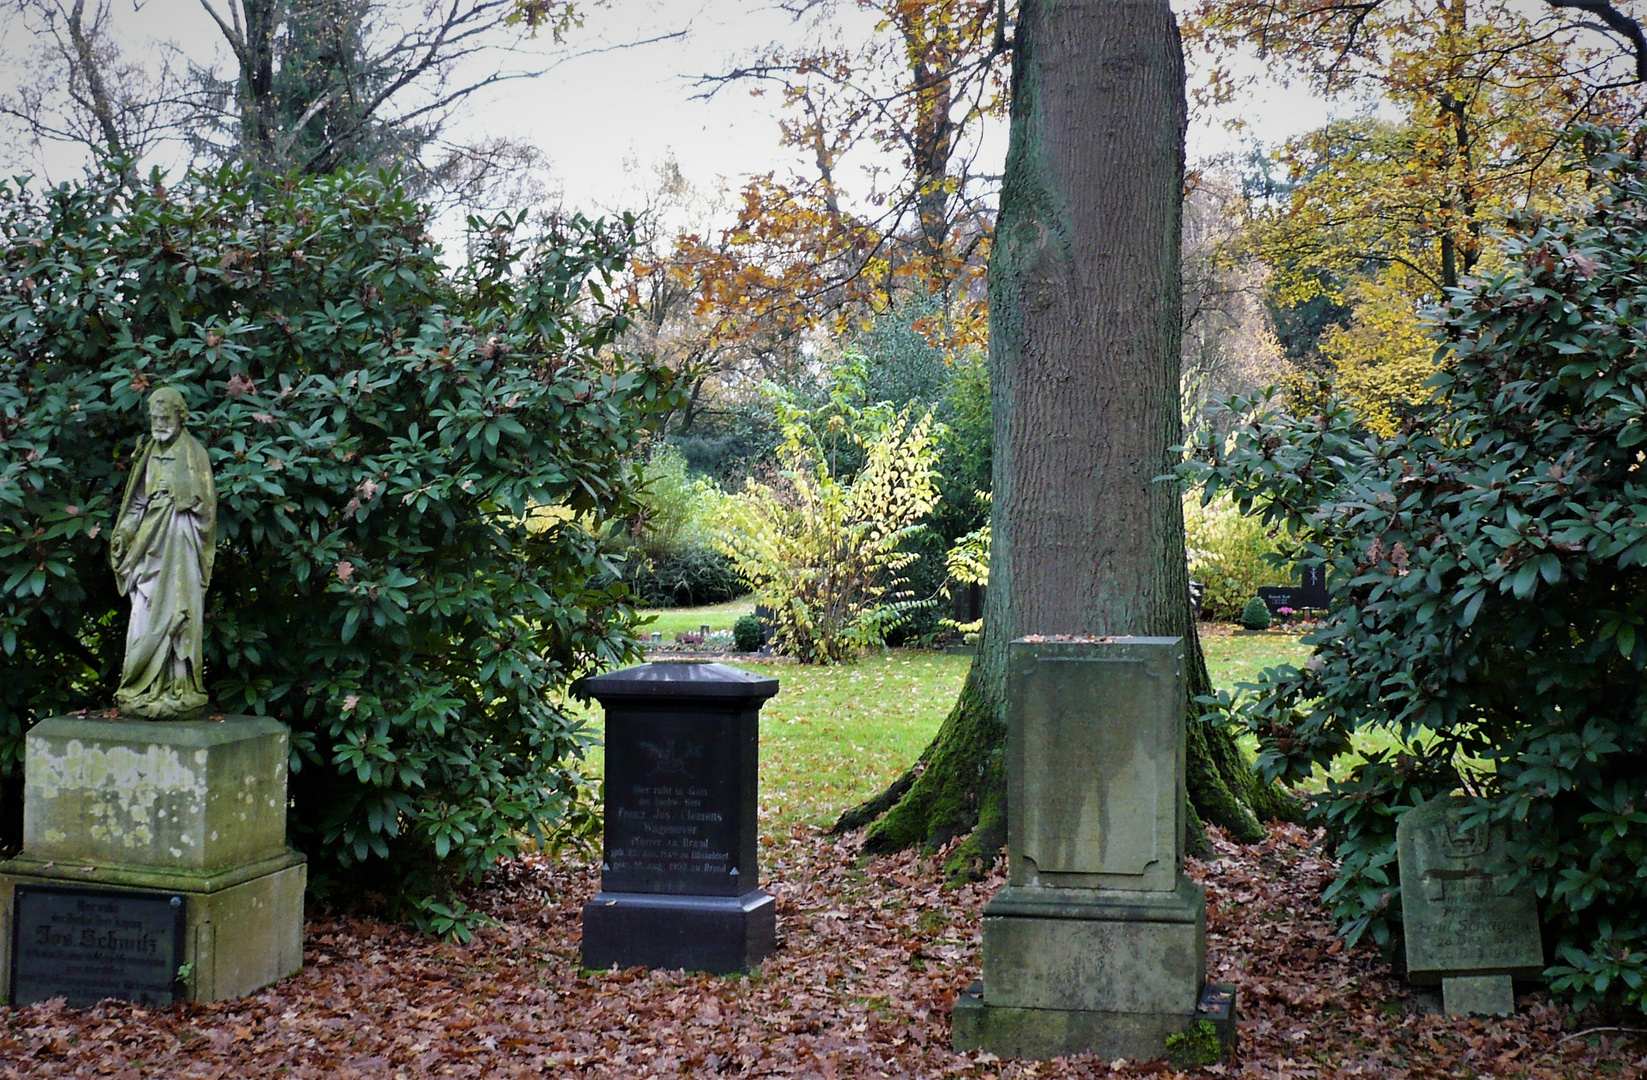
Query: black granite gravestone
1276	597
1312	587
768	620
679	882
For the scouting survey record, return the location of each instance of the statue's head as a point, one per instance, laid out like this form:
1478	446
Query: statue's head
166	414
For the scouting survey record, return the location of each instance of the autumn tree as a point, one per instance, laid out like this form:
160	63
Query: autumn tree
907	104
722	358
1229	342
1084	348
1383	214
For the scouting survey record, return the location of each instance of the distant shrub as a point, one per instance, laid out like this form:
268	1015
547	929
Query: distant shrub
826	551
1230	553
669	559
746	634
1255	615
692	577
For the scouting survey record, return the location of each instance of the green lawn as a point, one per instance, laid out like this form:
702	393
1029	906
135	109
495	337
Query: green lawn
672	621
1239	658
836	735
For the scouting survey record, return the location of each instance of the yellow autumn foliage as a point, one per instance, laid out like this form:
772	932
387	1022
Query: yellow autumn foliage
1384	356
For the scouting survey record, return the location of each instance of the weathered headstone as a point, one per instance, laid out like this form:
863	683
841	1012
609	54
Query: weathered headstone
134	809
1098	941
679	878
1464	927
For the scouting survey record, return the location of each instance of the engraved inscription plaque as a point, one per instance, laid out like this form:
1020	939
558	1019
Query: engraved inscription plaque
1097	724
1095	760
85	945
674	807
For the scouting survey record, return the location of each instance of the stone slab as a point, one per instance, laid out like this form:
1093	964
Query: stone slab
1459	918
190	795
1478	995
721	935
1096	951
1041	1034
237	938
1095	763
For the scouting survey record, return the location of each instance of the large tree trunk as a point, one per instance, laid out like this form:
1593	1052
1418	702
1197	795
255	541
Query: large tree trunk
1084	340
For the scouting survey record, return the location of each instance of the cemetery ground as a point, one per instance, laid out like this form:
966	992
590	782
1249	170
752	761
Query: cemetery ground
871	953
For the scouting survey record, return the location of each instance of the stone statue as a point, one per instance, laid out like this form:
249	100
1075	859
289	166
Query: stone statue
164	542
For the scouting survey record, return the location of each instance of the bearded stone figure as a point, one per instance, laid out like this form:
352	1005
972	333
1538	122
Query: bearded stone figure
162	549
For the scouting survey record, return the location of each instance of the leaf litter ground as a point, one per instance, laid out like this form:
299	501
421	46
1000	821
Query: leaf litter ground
871	954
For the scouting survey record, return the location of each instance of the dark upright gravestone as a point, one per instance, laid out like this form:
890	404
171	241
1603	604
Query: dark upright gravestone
1276	597
768	620
1312	588
679	882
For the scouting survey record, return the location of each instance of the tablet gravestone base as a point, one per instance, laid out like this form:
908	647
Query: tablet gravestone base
1464	927
1098	942
125	820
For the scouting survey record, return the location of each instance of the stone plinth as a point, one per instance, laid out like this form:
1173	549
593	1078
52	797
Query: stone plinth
1098	942
177	795
679	877
191	809
1464	926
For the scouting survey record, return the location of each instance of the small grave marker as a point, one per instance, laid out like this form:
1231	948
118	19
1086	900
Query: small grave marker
1464	929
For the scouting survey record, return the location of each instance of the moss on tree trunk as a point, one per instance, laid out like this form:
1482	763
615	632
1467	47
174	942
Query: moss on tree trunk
957	787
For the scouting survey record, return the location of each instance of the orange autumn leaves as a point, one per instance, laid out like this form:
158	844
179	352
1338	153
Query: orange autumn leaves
882	198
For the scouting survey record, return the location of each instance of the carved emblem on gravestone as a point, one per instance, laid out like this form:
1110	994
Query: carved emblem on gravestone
1465	927
668	760
162	549
1463	841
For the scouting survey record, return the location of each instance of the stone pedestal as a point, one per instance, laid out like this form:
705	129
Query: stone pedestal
1098	942
679	878
122	815
1478	995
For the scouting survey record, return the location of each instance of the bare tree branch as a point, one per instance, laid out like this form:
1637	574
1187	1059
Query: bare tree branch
1616	21
102	108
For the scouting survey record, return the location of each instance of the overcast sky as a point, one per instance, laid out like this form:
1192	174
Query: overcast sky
601	116
593	114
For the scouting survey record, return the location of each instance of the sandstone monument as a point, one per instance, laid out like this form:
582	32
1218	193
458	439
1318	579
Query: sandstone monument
154	864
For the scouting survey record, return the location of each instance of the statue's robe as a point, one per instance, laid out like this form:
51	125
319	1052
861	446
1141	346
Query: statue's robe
169	512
